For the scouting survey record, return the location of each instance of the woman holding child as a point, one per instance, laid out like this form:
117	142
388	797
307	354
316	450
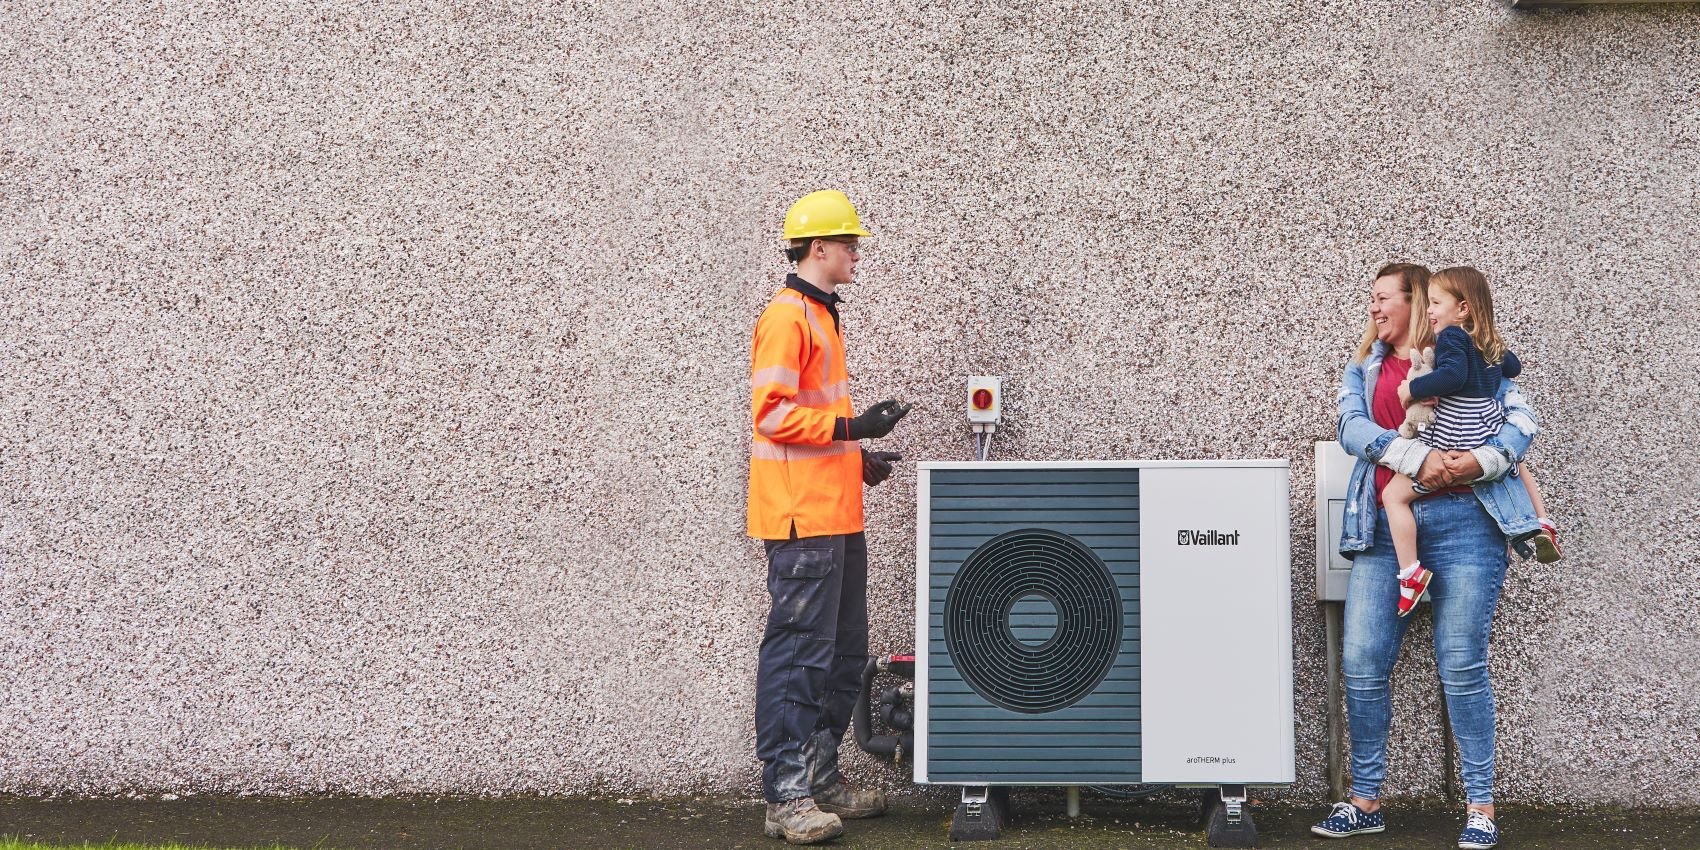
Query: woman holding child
1456	495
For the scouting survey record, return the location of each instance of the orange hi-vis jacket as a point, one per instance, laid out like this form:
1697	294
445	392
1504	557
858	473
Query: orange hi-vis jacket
800	478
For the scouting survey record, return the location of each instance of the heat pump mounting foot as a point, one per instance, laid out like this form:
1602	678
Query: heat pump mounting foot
981	815
1228	823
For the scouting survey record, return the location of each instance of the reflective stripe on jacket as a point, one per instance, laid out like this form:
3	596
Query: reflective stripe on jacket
800	478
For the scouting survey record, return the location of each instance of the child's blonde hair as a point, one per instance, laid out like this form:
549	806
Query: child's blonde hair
1471	287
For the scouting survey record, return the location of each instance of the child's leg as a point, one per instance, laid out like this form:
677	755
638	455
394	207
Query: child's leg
1533	488
1402	525
1545	540
1401	520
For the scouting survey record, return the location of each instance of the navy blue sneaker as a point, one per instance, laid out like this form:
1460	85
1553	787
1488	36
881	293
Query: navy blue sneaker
1480	832
1348	820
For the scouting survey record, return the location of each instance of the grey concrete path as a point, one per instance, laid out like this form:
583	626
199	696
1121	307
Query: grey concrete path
720	824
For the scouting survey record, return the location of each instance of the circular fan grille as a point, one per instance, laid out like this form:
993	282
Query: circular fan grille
1033	620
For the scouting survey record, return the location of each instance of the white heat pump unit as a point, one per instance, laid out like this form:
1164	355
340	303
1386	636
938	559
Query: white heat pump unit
1103	623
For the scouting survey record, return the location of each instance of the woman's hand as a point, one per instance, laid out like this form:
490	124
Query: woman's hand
1462	467
1434	475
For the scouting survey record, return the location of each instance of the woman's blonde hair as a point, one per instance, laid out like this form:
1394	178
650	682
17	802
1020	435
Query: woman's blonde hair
1471	287
1413	281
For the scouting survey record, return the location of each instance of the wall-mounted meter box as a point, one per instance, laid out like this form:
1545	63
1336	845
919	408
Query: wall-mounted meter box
985	399
1333	570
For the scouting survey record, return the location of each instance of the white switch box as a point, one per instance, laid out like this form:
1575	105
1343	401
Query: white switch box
985	399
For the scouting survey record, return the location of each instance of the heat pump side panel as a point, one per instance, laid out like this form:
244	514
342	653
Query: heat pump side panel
1215	597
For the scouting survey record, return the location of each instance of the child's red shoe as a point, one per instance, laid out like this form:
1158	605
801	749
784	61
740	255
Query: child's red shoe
1413	584
1546	543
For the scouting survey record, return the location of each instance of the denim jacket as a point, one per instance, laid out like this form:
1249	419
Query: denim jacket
1501	491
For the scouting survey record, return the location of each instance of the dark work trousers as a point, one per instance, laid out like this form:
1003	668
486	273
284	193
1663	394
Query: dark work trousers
810	666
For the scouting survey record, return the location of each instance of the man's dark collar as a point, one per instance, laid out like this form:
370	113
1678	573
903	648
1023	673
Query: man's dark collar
809	290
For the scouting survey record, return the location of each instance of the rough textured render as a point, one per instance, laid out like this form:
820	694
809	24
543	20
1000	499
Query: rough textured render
373	386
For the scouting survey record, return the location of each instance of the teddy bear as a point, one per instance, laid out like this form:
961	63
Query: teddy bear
1418	415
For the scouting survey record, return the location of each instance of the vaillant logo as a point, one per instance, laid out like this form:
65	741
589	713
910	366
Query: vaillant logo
1189	537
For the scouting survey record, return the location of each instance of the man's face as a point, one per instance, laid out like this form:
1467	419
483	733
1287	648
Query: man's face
836	258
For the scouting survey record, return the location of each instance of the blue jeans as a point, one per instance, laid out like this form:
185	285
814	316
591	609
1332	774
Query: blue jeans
1461	543
809	669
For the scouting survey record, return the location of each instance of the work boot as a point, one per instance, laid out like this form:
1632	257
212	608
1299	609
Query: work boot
799	821
847	801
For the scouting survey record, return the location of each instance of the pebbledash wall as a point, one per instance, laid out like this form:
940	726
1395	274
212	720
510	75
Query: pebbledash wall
374	382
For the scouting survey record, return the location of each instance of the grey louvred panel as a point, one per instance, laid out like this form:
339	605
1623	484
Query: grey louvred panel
1095	738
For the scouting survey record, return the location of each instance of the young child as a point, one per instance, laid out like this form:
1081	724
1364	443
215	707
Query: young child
1469	360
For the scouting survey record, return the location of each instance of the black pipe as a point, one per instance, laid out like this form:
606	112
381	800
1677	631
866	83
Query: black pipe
862	718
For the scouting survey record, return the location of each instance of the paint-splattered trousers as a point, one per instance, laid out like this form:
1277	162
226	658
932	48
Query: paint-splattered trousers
811	660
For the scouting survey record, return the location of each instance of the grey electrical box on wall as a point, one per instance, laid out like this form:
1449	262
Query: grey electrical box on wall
1333	471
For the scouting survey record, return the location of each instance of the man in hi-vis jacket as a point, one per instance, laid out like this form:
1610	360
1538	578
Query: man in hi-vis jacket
807	468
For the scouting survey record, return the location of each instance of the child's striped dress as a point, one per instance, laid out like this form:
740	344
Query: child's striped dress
1469	411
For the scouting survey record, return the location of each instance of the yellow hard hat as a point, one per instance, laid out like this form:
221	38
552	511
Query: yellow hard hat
824	213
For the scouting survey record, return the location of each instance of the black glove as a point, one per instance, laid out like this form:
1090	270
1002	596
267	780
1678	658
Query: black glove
876	421
876	466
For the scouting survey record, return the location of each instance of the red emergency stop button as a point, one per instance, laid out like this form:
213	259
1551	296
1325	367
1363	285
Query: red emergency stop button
982	399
